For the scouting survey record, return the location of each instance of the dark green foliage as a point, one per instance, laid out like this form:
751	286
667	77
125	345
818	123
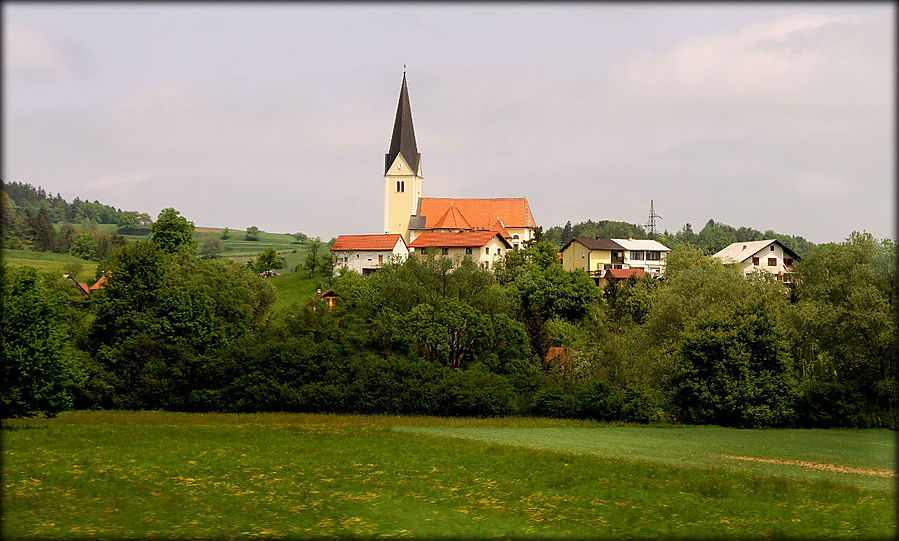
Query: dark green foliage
212	248
734	369
39	367
171	231
252	233
824	404
606	229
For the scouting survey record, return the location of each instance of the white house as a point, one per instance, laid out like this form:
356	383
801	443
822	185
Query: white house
769	255
645	254
367	253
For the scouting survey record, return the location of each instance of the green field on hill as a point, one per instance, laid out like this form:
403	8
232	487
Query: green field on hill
50	262
179	475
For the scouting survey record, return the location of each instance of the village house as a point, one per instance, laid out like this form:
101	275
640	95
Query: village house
645	254
482	247
768	255
367	253
594	256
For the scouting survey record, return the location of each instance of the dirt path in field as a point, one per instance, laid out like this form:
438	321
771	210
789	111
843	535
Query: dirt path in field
836	468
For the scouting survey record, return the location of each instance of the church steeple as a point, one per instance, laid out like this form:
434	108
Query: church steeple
403	139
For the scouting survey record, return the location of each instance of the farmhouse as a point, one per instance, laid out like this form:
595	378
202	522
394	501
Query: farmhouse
409	214
367	253
598	256
768	255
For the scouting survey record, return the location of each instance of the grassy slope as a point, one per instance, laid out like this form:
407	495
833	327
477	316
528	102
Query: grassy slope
294	289
50	262
124	474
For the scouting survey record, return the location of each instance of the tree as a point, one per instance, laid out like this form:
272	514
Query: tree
171	231
313	257
226	234
212	248
448	332
300	237
43	232
252	233
84	246
64	238
38	368
268	259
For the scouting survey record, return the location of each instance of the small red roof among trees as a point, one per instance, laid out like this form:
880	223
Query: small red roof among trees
366	242
621	274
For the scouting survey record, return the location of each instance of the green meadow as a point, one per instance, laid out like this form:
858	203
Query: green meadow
50	262
178	475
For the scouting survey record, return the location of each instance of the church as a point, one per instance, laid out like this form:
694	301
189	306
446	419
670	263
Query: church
411	215
480	229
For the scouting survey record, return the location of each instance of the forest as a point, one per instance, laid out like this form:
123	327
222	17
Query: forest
436	336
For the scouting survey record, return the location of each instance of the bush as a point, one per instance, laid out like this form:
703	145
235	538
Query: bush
824	404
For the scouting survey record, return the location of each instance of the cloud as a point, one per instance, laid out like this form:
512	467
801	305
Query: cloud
802	60
32	53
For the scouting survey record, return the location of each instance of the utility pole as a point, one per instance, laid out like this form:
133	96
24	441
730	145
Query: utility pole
651	224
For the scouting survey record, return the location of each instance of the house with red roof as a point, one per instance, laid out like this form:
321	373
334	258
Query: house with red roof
366	254
617	275
408	213
83	288
482	247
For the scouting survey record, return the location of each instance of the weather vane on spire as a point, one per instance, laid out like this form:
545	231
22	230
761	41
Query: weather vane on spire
404	69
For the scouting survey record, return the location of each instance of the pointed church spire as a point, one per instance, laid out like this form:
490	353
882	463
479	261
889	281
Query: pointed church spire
403	139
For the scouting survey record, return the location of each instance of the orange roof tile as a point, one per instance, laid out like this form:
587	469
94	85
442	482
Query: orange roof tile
466	239
479	213
624	273
498	227
366	242
100	284
452	219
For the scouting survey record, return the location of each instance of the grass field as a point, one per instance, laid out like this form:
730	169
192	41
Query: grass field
294	289
50	262
169	475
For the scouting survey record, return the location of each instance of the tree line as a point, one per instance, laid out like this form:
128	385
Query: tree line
438	336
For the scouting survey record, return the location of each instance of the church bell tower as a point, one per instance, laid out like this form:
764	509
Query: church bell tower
402	171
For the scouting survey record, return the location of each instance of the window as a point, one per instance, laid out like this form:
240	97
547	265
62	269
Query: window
755	261
637	254
486	264
499	251
400	186
515	237
487	250
772	261
583	254
468	251
654	255
772	247
422	251
446	251
788	261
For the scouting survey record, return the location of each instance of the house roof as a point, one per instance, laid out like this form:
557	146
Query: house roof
560	353
642	244
621	274
481	214
403	139
385	242
465	239
498	227
99	284
596	244
739	252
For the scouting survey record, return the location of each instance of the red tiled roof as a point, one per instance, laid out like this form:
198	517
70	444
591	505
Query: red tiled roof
498	227
479	213
560	354
624	273
452	219
366	242
100	284
466	239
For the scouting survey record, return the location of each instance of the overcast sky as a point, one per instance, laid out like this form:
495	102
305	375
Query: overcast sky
771	116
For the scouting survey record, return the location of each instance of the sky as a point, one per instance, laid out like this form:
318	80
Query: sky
772	116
